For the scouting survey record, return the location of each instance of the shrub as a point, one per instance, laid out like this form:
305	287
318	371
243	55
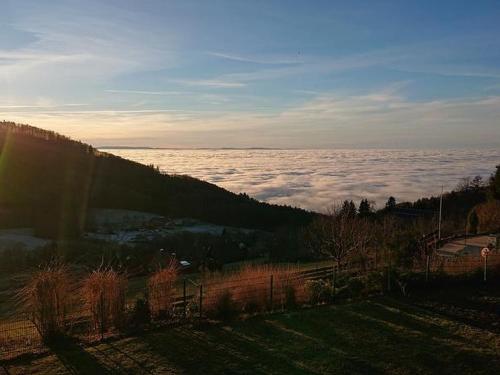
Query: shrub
46	297
224	306
374	283
488	216
141	314
104	293
353	287
320	291
161	291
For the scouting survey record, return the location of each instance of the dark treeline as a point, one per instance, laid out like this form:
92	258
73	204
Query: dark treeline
49	181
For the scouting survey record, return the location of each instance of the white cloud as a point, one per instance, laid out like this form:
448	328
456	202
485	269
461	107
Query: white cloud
145	92
75	50
265	60
376	119
315	179
217	83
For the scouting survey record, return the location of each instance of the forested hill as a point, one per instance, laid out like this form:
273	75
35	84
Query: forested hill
49	181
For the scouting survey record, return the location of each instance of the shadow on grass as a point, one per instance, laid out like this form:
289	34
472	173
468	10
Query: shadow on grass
475	306
382	335
395	338
252	346
75	359
371	337
216	350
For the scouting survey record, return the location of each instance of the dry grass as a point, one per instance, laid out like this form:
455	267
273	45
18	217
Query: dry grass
161	291
104	293
46	298
466	264
250	288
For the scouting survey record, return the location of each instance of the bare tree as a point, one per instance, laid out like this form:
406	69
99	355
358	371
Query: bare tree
338	234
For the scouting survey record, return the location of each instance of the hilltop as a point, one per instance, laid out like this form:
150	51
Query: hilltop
49	181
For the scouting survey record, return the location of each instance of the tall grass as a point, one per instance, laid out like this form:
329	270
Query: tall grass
104	293
47	297
253	289
161	291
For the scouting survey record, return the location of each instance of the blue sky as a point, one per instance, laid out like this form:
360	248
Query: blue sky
311	74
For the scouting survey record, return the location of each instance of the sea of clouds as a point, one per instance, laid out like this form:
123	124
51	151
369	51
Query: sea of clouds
315	179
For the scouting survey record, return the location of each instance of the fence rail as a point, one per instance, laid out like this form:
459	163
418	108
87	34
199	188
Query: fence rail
194	300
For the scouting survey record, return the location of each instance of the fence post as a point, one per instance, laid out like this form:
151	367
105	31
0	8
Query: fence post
389	278
334	278
201	300
184	300
101	312
485	267
427	266
271	286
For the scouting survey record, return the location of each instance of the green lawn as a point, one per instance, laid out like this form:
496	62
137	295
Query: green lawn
381	335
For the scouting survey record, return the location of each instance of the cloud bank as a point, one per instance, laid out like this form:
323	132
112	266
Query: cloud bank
314	179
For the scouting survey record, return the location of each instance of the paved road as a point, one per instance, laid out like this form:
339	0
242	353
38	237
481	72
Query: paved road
469	246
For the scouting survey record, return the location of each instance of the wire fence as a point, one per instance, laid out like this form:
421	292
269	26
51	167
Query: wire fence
213	296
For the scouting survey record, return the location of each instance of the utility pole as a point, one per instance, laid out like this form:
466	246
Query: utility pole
440	213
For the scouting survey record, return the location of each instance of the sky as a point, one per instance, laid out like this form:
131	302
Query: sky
287	74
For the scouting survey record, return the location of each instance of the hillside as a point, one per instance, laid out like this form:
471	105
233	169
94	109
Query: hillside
49	181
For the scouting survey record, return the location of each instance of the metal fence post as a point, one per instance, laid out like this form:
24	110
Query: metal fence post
201	300
334	281
427	266
485	267
101	313
388	278
389	273
184	298
271	287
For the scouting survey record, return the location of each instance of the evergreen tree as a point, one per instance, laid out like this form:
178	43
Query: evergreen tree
391	204
348	208
365	208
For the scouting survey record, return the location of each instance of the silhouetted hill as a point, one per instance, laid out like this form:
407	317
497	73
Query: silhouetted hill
49	181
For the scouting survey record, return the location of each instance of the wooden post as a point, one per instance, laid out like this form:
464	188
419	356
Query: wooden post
485	267
389	273
271	287
334	278
427	266
101	313
184	300
201	301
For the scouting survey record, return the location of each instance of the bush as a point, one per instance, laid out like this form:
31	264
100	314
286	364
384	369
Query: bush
488	216
141	315
352	288
47	297
104	293
320	291
374	283
224	306
161	291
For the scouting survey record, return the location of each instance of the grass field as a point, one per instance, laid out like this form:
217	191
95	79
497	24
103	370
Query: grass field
446	333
